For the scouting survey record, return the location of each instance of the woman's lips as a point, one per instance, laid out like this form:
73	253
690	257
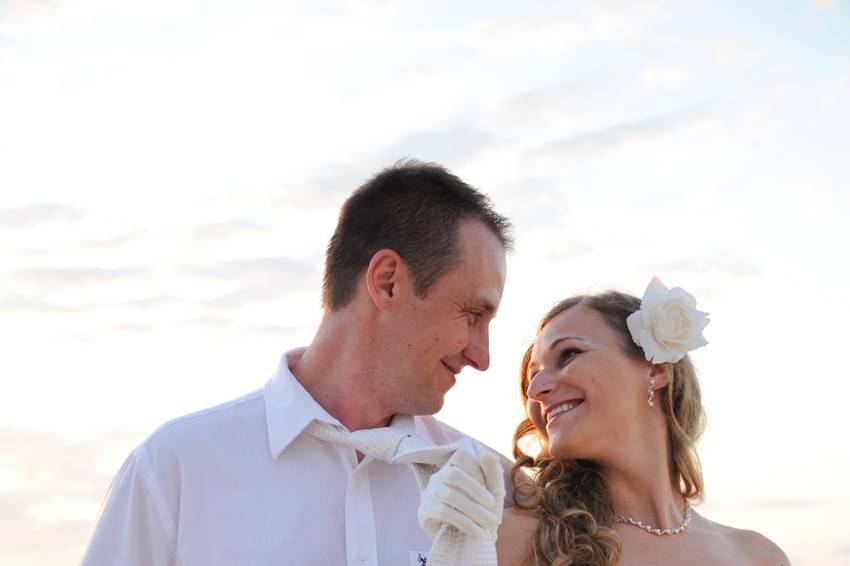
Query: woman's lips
560	410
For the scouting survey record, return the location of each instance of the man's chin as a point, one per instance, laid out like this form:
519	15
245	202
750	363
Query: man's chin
432	407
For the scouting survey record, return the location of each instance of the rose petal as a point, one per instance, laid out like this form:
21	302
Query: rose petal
655	291
634	322
679	294
669	356
649	345
668	325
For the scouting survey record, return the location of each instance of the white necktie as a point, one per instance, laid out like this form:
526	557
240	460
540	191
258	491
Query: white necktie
451	547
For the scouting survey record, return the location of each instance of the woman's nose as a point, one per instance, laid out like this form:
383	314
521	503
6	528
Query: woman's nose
540	386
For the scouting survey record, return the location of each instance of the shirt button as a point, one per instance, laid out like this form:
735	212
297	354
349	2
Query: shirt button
362	555
358	483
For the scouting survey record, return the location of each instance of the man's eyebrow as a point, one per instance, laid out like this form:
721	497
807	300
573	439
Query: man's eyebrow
483	305
557	341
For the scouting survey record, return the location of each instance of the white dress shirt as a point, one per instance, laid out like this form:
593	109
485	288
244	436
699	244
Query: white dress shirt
243	484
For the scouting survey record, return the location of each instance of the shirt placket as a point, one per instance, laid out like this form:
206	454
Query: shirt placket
360	533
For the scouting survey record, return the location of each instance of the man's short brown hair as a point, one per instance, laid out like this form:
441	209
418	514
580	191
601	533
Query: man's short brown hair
414	209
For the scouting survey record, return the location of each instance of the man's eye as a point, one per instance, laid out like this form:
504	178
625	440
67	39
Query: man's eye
567	354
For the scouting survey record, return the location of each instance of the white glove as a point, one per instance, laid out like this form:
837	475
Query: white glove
468	492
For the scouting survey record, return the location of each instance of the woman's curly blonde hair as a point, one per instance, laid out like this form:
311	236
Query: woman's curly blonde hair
569	497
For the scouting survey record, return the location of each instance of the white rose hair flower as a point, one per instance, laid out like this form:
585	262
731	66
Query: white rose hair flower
668	324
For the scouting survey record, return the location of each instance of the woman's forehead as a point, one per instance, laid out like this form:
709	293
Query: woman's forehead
575	321
579	323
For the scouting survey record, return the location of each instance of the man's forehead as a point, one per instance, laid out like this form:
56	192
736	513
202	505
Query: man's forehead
481	268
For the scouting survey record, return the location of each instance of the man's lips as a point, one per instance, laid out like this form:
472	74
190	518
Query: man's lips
450	368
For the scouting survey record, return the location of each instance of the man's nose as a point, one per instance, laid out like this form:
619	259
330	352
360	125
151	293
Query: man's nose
477	352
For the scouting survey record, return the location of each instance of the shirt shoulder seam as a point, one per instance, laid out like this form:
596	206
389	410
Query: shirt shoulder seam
167	523
211	410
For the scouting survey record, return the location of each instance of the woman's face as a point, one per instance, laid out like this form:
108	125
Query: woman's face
585	394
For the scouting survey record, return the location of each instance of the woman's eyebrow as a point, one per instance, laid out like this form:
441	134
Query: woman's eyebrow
552	346
557	341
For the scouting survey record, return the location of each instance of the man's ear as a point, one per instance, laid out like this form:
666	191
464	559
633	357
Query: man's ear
661	373
385	271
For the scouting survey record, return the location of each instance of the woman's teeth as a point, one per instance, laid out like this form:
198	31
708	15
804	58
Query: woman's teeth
560	409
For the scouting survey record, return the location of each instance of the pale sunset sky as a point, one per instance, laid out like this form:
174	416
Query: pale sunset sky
171	171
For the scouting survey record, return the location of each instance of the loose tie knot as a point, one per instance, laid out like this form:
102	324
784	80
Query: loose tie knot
451	547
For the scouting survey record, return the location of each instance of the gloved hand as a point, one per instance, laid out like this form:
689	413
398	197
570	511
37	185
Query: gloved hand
468	492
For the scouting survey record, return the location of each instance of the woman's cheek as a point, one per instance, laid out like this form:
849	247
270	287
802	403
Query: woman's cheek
536	416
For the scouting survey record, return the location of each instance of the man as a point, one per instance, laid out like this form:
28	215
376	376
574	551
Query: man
414	275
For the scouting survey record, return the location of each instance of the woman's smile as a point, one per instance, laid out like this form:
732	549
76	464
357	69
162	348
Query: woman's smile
562	409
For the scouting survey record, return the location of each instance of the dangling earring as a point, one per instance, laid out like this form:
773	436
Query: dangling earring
651	391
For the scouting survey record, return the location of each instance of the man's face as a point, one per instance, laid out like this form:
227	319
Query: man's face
448	329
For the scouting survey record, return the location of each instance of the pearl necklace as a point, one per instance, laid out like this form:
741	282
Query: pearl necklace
655	530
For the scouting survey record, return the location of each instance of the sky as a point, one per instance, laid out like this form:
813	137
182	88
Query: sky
171	171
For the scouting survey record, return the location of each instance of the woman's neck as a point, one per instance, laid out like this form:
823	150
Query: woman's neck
640	484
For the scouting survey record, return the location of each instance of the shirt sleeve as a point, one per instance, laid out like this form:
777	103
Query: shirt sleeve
135	527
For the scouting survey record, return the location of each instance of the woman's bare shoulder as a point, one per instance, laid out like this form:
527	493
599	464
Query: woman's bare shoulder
764	552
760	550
516	534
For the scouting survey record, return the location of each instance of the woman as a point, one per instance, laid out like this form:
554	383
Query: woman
616	408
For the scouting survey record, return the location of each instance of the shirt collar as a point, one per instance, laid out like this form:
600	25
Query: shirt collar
290	408
404	423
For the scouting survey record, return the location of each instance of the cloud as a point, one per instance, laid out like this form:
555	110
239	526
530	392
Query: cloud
37	215
770	503
551	33
57	485
17	303
452	145
277	331
336	180
14	303
229	229
23	16
45	459
568	250
79	289
256	269
111	244
70	290
23	535
208	322
555	99
133	328
49	280
824	5
92	246
258	280
618	134
728	262
28	17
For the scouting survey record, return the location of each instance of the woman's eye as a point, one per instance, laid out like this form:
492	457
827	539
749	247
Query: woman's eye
567	354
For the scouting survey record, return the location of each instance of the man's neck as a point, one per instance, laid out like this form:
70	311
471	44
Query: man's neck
335	373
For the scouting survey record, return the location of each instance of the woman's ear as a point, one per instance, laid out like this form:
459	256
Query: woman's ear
385	271
661	373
